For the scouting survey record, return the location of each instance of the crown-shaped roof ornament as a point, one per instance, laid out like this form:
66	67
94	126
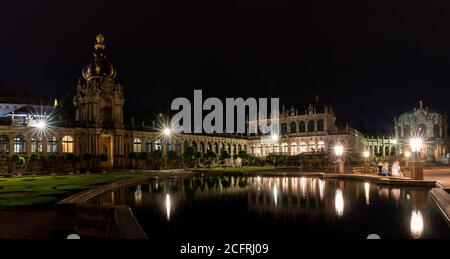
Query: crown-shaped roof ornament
100	42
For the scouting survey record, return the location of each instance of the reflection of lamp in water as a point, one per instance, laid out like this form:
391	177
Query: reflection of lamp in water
416	224
138	195
303	186
275	195
339	203
321	189
367	192
168	204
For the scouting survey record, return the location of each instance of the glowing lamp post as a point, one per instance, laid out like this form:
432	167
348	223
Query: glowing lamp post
366	156
416	164
339	163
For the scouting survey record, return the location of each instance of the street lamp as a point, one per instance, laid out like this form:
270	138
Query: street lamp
275	137
416	144
407	154
167	132
339	150
416	165
339	163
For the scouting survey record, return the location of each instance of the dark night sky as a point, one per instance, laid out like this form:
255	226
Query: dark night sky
370	59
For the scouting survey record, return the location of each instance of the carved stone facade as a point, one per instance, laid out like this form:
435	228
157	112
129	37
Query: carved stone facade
311	129
424	123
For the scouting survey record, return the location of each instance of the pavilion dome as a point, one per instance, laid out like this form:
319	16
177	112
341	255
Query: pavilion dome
100	67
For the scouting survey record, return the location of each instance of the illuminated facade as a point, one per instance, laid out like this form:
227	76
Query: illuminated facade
426	124
100	130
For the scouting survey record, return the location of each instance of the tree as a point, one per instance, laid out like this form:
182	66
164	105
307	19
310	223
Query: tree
210	156
171	157
243	155
156	157
197	157
223	157
188	155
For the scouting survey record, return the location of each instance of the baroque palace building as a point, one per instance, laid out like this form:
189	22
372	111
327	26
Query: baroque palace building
99	129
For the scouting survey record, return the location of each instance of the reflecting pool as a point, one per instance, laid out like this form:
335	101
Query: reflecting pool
277	208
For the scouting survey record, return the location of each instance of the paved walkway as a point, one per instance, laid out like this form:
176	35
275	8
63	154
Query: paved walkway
26	223
439	174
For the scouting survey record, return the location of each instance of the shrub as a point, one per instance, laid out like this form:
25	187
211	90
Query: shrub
103	157
132	155
51	157
69	157
20	161
34	158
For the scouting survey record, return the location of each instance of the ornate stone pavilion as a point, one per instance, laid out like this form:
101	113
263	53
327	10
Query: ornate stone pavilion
99	128
429	125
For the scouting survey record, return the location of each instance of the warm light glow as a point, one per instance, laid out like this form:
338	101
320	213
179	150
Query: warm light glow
339	203
416	224
394	141
366	154
339	150
303	186
275	137
275	195
167	132
367	192
407	154
321	189
168	205
416	144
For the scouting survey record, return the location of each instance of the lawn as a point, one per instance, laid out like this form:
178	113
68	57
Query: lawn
249	169
48	189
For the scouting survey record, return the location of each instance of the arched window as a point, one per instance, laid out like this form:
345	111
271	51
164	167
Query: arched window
19	145
36	145
406	131
52	145
233	150
302	127
276	148
178	147
293	149
312	146
216	148
283	129
209	146
168	146
67	144
4	144
148	146
158	145
194	146
137	145
239	148
437	131
293	127
311	127
302	147
320	125
399	132
284	148
321	145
